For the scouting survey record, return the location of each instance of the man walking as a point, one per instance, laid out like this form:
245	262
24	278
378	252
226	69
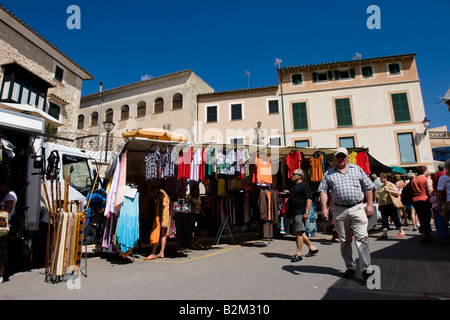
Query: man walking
348	184
300	201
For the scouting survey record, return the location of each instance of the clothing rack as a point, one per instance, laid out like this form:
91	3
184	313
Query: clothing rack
225	225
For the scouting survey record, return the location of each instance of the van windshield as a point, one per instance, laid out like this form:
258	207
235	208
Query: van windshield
79	173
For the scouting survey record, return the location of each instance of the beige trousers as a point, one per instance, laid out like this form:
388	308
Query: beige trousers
346	221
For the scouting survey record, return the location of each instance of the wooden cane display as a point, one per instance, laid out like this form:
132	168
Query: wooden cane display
64	245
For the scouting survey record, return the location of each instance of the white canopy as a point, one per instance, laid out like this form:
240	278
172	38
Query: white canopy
32	111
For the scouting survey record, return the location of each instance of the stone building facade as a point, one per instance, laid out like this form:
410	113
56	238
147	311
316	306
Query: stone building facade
33	71
373	103
376	103
168	102
247	116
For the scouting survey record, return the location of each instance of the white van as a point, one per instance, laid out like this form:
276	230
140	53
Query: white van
61	160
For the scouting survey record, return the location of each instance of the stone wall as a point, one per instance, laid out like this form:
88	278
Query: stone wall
15	48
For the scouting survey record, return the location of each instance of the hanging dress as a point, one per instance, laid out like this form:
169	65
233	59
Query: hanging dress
127	233
316	161
151	164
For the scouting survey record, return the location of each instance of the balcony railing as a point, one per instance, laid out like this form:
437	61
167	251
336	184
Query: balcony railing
439	134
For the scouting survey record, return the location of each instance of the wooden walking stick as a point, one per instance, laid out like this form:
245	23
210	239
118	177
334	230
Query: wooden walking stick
66	190
92	191
47	205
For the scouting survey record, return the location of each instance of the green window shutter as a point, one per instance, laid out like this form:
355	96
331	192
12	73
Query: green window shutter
367	71
352	73
314	77
344	113
297	79
330	75
337	74
394	68
299	116
401	107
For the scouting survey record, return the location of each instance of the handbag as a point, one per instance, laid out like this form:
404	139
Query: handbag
396	201
4	225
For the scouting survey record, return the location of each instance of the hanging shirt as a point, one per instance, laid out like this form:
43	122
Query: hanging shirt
263	171
165	164
316	167
293	162
195	165
173	161
184	164
220	163
352	157
151	164
210	165
362	160
231	160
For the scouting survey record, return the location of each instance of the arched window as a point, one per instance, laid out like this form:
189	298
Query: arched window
159	105
141	109
80	122
125	112
94	119
177	101
109	115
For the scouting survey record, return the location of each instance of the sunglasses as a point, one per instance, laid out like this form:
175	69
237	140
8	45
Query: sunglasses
341	156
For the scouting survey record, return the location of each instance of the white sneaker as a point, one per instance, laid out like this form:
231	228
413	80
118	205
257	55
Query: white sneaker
1	279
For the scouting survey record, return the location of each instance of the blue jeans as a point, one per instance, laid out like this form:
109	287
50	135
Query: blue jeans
440	224
389	210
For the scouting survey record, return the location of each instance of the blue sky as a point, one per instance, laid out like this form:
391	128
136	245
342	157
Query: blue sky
122	41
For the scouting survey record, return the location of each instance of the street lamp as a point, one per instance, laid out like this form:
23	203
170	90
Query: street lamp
426	124
109	126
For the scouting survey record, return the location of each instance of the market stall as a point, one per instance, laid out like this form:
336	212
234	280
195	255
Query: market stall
241	184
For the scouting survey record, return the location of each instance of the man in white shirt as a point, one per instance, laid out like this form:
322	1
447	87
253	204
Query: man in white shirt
443	191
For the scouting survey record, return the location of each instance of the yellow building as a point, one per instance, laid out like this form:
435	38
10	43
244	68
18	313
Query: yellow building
374	103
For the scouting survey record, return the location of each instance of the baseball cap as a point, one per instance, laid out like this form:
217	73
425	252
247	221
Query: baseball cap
341	150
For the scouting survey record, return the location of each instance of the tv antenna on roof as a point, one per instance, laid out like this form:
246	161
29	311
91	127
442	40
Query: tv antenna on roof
248	73
278	62
446	99
358	56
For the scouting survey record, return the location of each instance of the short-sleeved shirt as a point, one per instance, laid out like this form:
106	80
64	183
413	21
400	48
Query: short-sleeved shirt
347	188
444	184
298	195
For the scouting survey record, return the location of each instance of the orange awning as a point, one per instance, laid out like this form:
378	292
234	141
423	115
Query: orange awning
154	134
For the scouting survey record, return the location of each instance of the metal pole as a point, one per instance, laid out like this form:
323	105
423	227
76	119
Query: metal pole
100	117
106	147
282	106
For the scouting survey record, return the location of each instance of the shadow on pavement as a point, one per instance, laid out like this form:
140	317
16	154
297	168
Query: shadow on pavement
409	270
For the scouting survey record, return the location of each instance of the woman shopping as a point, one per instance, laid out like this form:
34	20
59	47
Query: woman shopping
423	189
387	207
8	204
196	208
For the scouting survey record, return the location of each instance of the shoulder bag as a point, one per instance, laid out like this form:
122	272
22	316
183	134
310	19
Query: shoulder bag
396	201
